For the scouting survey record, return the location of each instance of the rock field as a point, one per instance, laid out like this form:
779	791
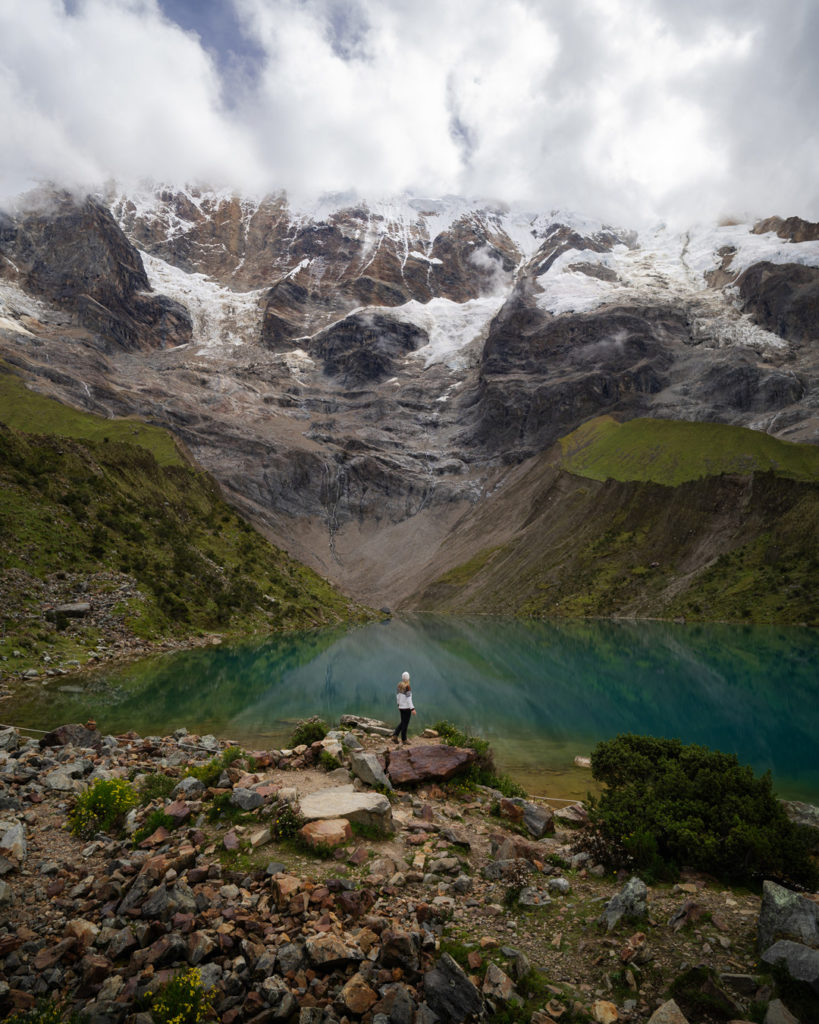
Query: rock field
429	902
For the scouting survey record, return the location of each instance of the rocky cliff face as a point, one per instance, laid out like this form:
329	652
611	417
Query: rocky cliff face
72	253
361	376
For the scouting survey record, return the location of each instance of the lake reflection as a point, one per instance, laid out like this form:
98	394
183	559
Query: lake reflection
540	692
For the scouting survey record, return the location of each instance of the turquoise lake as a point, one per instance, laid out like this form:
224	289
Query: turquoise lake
540	692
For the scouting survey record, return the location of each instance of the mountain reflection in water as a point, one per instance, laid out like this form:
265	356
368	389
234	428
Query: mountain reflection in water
541	692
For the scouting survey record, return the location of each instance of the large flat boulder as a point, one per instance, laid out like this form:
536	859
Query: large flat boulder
344	802
427	763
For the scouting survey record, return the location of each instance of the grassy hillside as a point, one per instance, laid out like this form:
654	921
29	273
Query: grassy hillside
22	409
732	547
151	546
672	452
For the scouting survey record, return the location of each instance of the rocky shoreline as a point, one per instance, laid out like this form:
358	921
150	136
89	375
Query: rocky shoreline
401	896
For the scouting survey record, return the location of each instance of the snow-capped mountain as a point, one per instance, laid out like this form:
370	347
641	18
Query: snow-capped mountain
358	374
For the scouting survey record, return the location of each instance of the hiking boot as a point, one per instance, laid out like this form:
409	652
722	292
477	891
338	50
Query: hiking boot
394	739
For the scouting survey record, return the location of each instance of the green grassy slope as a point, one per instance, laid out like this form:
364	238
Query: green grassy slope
594	541
22	409
152	544
672	452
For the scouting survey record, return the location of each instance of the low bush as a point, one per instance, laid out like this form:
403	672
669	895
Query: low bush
286	821
482	771
102	807
156	819
182	1000
667	805
155	787
208	774
47	1011
328	762
308	731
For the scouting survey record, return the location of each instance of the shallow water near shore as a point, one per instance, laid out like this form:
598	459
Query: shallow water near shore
540	692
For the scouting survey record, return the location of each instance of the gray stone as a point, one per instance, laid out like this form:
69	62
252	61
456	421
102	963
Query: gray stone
370	725
367	768
778	1013
786	915
495	870
65	779
559	884
189	788
9	739
278	996
350	741
445	866
13	843
538	820
531	896
6	895
450	994
630	903
668	1013
574	814
343	802
289	957
246	799
73	735
800	961
396	1005
211	974
497	985
165	901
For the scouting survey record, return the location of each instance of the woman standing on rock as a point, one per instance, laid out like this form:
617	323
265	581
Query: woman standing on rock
405	706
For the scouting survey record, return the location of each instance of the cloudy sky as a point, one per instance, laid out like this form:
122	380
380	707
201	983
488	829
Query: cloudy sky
623	109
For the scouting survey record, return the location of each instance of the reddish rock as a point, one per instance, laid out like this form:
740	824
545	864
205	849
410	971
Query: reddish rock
179	811
95	969
324	833
53	954
423	764
156	838
510	810
284	888
357	996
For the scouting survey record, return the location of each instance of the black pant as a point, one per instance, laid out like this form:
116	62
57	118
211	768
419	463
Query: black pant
406	714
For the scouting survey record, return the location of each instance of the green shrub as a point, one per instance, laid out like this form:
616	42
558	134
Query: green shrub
47	1011
155	787
328	762
667	805
286	821
308	732
223	810
482	771
103	807
156	819
208	774
182	1000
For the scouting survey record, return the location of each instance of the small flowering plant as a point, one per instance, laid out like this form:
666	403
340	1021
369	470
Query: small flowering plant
102	807
182	1000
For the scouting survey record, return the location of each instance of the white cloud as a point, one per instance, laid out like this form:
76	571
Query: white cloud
626	109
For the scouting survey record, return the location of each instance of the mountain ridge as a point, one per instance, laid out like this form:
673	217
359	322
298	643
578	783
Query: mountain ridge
381	379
